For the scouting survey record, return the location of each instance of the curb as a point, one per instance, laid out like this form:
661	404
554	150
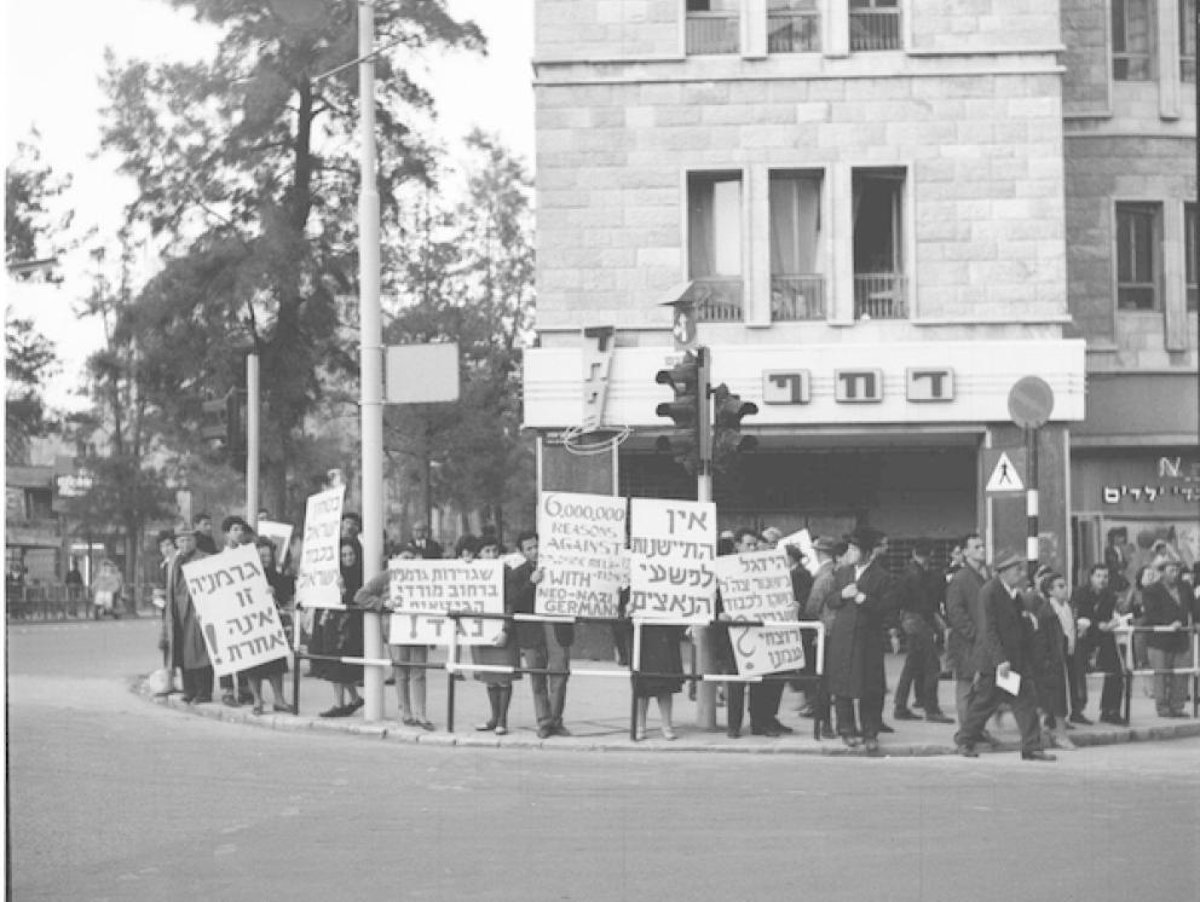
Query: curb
394	731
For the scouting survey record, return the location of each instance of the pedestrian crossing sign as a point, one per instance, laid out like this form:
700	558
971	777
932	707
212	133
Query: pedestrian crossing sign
1006	477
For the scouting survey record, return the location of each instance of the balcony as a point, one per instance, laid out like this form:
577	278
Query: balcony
880	295
793	32
712	32
797	298
874	29
717	299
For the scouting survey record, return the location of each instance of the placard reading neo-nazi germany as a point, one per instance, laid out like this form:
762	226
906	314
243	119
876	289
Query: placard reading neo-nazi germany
320	563
758	586
672	545
423	592
581	539
236	610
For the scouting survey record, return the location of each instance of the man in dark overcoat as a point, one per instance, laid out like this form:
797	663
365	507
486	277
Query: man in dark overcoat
185	638
965	615
1007	649
863	600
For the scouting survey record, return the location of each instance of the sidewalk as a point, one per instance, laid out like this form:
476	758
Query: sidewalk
598	715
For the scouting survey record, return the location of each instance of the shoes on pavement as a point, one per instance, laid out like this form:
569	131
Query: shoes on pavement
283	709
669	734
501	729
904	714
230	700
335	711
544	732
850	742
1078	718
257	710
937	717
1177	714
202	700
1115	720
782	728
884	728
990	739
559	730
871	745
733	733
918	706
187	699
355	705
827	730
768	730
967	750
481	727
1038	755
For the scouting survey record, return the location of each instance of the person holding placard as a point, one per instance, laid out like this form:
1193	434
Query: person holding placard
863	600
766	695
662	663
340	635
282	589
520	592
503	653
182	630
1005	661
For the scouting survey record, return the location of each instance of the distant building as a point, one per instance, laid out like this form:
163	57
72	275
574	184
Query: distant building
885	213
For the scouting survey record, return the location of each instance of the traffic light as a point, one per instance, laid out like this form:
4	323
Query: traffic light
728	412
688	411
223	420
213	420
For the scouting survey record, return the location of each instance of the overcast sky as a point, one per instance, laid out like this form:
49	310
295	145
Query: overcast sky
54	51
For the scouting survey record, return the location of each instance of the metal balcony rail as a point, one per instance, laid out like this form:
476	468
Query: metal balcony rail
1136	295
1128	66
793	32
874	29
880	295
797	298
712	32
718	299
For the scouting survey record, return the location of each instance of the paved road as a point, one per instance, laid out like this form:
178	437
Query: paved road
114	798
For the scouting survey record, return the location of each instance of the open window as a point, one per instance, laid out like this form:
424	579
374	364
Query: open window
874	25
793	26
797	285
1132	40
1138	242
880	289
715	245
713	26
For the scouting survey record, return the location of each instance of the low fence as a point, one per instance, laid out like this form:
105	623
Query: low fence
36	604
1130	665
455	669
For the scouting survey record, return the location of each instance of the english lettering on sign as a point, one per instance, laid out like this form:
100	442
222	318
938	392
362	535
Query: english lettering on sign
790	387
926	384
858	386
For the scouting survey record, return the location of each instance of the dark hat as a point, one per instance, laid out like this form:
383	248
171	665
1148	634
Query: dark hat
164	535
825	545
866	538
1006	558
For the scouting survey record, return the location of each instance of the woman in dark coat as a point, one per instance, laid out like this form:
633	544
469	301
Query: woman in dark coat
1049	655
661	660
282	590
340	634
863	598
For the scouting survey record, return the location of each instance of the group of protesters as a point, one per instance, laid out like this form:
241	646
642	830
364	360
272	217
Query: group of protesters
1008	645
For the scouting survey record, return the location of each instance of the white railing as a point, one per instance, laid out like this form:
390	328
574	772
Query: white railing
797	298
712	32
880	295
793	32
874	29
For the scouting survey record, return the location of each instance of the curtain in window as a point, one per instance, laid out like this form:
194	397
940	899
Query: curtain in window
795	225
714	226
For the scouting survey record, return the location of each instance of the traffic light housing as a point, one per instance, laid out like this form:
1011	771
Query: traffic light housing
728	412
223	420
688	411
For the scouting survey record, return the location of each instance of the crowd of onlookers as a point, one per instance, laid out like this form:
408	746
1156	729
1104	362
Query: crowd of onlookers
1006	643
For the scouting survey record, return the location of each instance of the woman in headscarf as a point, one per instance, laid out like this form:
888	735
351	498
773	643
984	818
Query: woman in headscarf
282	589
342	636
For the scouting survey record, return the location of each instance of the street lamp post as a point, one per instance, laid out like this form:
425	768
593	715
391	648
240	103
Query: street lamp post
371	353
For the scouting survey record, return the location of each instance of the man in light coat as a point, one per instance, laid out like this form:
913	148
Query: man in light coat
184	634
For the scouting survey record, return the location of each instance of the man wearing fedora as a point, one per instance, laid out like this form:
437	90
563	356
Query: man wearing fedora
182	627
817	608
1166	605
863	600
1006	649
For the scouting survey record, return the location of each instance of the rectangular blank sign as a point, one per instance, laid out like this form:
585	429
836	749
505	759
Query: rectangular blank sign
421	374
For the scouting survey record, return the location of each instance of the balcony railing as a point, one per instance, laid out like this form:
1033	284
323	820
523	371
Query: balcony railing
1133	67
793	32
1137	295
712	32
797	298
718	299
874	29
880	295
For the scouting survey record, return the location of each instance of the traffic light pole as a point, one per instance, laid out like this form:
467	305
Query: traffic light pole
253	432
706	692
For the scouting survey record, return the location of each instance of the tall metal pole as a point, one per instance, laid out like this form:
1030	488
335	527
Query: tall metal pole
1031	504
371	354
253	434
706	692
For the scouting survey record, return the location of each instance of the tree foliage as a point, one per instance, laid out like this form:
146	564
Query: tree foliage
30	359
246	166
465	274
32	229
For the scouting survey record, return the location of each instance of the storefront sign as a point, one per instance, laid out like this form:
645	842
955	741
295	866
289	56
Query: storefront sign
922	385
1176	478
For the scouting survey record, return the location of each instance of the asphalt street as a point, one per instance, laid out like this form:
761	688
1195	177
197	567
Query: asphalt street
111	797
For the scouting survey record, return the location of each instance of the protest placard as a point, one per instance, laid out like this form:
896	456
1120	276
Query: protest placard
320	563
802	540
757	585
580	543
672	545
236	610
422	592
280	535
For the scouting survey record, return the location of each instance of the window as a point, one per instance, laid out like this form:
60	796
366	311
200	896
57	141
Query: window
1132	41
1137	248
715	245
712	26
874	25
1191	247
793	26
880	290
797	287
1187	41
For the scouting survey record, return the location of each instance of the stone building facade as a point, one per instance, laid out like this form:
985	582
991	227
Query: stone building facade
847	193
